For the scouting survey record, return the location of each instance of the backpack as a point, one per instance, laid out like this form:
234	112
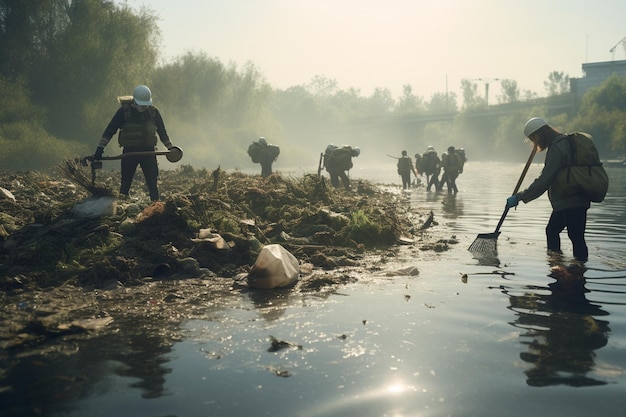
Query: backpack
338	159
404	164
429	162
586	175
255	151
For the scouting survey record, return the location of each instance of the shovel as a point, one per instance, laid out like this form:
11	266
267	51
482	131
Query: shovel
486	242
175	154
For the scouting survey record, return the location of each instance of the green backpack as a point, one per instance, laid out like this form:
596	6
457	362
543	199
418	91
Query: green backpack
586	175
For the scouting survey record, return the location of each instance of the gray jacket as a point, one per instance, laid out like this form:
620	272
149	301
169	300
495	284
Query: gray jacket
558	156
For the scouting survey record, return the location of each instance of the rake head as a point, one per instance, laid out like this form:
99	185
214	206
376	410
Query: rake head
485	242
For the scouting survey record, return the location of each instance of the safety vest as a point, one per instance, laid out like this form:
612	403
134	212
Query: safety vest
139	129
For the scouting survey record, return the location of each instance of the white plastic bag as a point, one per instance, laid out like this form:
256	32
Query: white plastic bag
275	267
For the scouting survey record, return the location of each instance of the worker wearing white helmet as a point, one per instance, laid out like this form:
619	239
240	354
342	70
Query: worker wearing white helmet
569	206
138	123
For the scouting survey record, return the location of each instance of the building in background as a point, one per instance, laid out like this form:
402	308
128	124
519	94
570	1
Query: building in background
594	74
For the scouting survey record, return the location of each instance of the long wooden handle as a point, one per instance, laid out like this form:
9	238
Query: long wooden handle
518	185
130	154
521	178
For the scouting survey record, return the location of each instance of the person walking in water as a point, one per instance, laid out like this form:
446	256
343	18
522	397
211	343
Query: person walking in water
452	166
431	166
405	168
569	204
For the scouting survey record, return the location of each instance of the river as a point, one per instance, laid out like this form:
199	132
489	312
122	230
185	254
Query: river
468	336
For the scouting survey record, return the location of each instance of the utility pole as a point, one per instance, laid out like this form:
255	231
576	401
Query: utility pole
486	81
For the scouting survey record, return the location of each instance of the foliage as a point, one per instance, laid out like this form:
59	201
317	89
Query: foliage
65	62
603	114
558	83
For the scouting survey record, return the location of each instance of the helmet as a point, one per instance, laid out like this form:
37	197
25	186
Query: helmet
262	140
142	95
430	148
356	151
534	125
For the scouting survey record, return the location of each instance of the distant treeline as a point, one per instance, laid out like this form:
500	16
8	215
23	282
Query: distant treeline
65	62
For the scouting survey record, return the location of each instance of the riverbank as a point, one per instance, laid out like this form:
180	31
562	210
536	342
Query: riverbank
66	272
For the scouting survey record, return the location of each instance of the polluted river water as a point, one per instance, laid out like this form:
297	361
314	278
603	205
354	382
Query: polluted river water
518	333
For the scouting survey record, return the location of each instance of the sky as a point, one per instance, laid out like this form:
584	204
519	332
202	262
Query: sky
366	44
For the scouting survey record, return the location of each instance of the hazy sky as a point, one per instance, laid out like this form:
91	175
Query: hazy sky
430	44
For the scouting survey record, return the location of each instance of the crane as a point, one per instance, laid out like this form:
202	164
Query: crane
612	50
486	81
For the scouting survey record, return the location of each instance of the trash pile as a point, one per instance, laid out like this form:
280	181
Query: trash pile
54	230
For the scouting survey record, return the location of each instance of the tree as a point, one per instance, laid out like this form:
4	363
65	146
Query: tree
442	103
510	92
557	84
27	28
602	113
471	98
408	102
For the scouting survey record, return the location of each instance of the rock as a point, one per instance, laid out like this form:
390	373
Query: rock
6	194
275	267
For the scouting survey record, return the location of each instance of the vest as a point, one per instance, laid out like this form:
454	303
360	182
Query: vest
139	129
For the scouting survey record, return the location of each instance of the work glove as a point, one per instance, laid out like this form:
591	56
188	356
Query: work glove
99	152
512	201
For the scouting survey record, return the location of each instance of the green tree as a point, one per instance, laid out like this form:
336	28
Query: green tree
510	92
471	99
409	103
442	103
104	51
602	113
557	83
27	28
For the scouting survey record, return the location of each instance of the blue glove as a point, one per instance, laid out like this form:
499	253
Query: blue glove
512	201
98	154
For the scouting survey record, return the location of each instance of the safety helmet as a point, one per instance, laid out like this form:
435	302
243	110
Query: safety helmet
534	125
356	151
430	148
142	95
262	140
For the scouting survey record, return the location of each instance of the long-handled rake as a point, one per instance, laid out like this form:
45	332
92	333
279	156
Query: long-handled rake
487	242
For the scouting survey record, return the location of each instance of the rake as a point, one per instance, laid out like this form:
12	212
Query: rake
487	242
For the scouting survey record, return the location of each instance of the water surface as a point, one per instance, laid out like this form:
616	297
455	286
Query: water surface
467	337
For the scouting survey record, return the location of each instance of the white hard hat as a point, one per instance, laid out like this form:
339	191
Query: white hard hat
533	125
142	95
262	140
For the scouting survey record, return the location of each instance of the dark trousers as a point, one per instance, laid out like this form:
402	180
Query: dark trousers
576	222
449	178
266	168
334	179
406	180
433	181
150	169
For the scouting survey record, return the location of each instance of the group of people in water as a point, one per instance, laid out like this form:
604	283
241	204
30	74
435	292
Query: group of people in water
429	164
139	124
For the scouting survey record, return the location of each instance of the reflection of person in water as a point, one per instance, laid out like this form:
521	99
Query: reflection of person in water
563	330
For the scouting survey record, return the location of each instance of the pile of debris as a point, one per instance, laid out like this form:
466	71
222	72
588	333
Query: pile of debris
56	229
